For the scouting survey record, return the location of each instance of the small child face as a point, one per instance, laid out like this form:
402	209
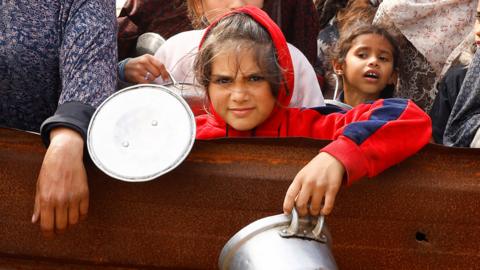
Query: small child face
238	90
213	9
368	66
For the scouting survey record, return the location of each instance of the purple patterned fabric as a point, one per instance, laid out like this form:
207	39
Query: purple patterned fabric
53	53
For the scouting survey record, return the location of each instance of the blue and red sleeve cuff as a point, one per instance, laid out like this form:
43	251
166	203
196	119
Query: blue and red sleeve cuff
350	155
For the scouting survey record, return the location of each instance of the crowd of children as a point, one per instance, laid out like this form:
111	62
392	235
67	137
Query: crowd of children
366	59
245	66
263	77
260	86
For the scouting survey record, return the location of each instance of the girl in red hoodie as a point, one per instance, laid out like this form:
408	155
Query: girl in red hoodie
245	66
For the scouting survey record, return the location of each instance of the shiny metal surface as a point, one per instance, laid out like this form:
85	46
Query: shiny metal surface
338	104
140	133
148	43
305	228
334	101
270	243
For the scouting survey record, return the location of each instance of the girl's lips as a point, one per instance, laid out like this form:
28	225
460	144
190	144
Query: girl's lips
371	76
370	79
241	112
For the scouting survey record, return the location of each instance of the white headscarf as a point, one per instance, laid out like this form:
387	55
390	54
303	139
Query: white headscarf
434	27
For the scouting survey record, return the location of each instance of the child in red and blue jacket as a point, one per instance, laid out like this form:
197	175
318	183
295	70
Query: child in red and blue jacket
245	66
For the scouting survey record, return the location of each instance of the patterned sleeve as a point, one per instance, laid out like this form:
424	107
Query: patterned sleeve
88	57
464	121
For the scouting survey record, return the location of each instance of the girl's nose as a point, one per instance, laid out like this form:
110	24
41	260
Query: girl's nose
373	61
238	94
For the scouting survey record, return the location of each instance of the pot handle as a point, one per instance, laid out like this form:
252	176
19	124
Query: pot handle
175	82
294	229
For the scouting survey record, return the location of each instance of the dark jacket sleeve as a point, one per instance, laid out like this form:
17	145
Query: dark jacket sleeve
448	89
88	57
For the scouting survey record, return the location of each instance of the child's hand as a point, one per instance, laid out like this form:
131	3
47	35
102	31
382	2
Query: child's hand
321	177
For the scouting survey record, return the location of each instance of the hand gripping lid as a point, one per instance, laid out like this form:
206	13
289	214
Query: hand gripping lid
141	133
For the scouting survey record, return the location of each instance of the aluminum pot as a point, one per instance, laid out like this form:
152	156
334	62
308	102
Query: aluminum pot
280	242
141	132
148	43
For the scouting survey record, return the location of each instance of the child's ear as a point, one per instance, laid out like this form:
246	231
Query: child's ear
393	79
337	67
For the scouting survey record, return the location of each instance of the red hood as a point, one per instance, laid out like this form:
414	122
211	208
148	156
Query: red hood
284	59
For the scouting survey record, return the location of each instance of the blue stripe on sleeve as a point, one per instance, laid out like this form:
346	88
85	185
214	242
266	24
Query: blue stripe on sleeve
328	109
391	110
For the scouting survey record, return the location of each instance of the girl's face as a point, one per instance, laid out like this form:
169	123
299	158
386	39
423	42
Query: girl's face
368	66
213	9
238	90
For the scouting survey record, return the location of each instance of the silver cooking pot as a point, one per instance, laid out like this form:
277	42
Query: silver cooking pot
148	43
280	242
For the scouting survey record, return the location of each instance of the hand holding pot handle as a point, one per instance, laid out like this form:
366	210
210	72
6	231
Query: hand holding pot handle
298	228
318	181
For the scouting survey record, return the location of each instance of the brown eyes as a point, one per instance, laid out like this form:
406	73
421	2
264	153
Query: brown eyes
256	78
381	58
226	80
222	80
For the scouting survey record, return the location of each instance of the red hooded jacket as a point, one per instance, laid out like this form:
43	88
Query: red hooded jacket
367	139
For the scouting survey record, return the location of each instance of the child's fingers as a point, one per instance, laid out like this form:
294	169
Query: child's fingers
329	201
316	202
301	203
289	200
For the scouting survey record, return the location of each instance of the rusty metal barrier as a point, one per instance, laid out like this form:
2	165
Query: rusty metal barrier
422	213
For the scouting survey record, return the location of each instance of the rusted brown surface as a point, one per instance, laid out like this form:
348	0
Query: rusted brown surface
183	219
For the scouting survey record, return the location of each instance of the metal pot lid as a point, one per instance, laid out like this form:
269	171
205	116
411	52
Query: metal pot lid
270	243
141	133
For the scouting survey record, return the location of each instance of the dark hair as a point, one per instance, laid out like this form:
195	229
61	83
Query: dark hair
356	11
348	36
239	32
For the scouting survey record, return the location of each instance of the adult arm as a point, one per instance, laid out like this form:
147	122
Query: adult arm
464	121
88	75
